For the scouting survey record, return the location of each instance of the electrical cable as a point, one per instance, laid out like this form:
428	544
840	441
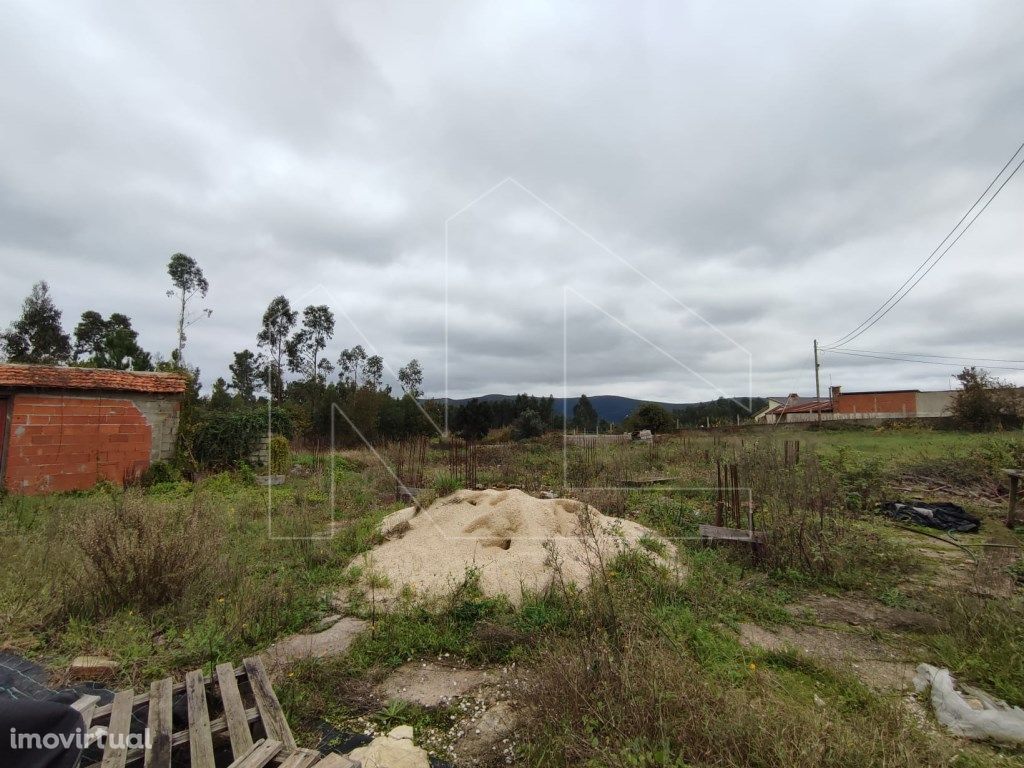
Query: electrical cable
874	317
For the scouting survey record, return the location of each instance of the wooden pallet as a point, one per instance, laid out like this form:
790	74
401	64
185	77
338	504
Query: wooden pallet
238	700
713	533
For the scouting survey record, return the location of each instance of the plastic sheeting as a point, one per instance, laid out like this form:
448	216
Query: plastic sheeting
944	516
969	711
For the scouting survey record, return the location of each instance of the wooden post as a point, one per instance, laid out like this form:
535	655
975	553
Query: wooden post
817	381
719	501
734	484
1011	515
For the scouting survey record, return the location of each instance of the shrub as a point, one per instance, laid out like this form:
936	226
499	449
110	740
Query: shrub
529	424
221	439
985	402
445	484
280	455
160	472
141	555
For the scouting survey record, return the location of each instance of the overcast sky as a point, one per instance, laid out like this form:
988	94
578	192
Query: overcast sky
665	200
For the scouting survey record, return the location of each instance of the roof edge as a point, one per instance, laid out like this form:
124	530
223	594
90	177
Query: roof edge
32	376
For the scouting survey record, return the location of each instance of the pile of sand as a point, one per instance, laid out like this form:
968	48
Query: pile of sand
502	535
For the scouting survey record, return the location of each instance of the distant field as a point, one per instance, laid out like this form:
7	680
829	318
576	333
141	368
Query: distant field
898	443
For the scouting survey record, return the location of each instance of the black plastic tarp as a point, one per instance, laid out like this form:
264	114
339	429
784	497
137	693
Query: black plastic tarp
944	516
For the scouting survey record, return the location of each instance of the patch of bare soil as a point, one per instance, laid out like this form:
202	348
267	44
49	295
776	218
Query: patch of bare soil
482	717
871	661
487	737
859	612
875	641
431	684
863	636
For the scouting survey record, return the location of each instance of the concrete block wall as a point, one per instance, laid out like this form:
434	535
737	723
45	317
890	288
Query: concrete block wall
161	412
935	404
261	456
70	441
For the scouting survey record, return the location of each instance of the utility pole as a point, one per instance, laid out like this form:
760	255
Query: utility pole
817	381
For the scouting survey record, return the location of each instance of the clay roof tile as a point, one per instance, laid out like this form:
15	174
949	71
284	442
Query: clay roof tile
59	377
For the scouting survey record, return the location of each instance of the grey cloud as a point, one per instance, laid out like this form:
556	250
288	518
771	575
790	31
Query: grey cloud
778	169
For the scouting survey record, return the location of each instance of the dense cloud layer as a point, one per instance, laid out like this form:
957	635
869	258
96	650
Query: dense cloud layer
691	192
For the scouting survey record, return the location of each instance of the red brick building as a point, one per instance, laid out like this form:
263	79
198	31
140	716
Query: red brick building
892	402
66	429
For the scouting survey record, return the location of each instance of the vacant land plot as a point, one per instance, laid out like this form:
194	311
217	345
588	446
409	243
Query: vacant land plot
799	657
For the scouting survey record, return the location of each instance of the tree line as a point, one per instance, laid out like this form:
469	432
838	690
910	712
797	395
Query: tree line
291	369
288	368
289	341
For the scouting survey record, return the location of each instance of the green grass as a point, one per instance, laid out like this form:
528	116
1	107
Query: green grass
258	589
891	443
982	642
644	669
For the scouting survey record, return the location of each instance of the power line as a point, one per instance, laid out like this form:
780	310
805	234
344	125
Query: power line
968	358
910	360
874	317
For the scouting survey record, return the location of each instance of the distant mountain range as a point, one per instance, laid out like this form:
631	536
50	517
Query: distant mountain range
612	408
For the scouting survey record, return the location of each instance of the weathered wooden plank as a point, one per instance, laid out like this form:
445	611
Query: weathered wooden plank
718	533
259	754
301	758
234	711
274	721
160	724
638	482
200	740
142	698
86	707
239	758
115	752
181	737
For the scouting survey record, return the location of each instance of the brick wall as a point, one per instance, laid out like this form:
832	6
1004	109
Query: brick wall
64	442
904	403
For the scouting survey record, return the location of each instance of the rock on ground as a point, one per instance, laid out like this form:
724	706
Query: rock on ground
331	642
92	668
396	750
486	735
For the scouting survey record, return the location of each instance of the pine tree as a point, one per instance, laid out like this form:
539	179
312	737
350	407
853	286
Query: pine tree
219	397
37	336
245	374
584	415
110	343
